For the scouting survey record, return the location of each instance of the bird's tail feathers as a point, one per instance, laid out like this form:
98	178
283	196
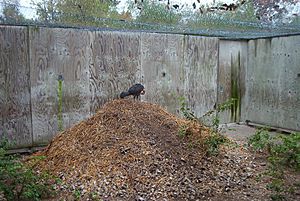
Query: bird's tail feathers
124	94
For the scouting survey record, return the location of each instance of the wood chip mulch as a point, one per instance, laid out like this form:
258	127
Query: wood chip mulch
132	150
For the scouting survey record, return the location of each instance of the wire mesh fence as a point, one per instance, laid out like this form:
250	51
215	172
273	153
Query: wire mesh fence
241	25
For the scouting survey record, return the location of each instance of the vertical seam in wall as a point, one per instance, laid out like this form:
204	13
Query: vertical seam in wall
92	36
183	64
218	77
29	66
239	85
246	105
141	73
4	103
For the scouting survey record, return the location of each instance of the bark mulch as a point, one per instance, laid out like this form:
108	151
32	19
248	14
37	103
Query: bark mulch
133	150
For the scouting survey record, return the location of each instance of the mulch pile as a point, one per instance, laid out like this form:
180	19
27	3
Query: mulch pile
132	150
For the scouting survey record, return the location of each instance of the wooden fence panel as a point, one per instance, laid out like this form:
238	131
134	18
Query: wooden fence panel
201	69
54	53
162	69
115	65
273	82
15	117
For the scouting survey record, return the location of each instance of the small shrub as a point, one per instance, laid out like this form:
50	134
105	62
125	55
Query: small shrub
19	182
213	143
216	139
276	186
287	152
261	140
185	110
284	151
214	114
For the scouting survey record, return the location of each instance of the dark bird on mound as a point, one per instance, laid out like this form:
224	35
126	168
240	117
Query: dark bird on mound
136	90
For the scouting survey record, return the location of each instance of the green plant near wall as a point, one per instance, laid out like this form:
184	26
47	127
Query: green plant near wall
261	140
283	152
213	115
216	139
185	110
19	182
60	103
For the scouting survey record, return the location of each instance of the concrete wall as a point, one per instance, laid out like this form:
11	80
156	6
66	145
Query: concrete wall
177	65
231	78
95	66
273	82
55	52
162	68
15	106
263	74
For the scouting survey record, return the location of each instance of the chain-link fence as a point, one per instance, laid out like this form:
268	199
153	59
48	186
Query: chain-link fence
240	24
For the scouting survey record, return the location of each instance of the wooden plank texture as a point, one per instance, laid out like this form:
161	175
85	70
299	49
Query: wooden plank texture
231	76
162	69
201	68
15	117
97	65
273	82
115	65
55	52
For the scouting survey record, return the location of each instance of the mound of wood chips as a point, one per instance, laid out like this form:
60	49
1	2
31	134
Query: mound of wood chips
133	150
